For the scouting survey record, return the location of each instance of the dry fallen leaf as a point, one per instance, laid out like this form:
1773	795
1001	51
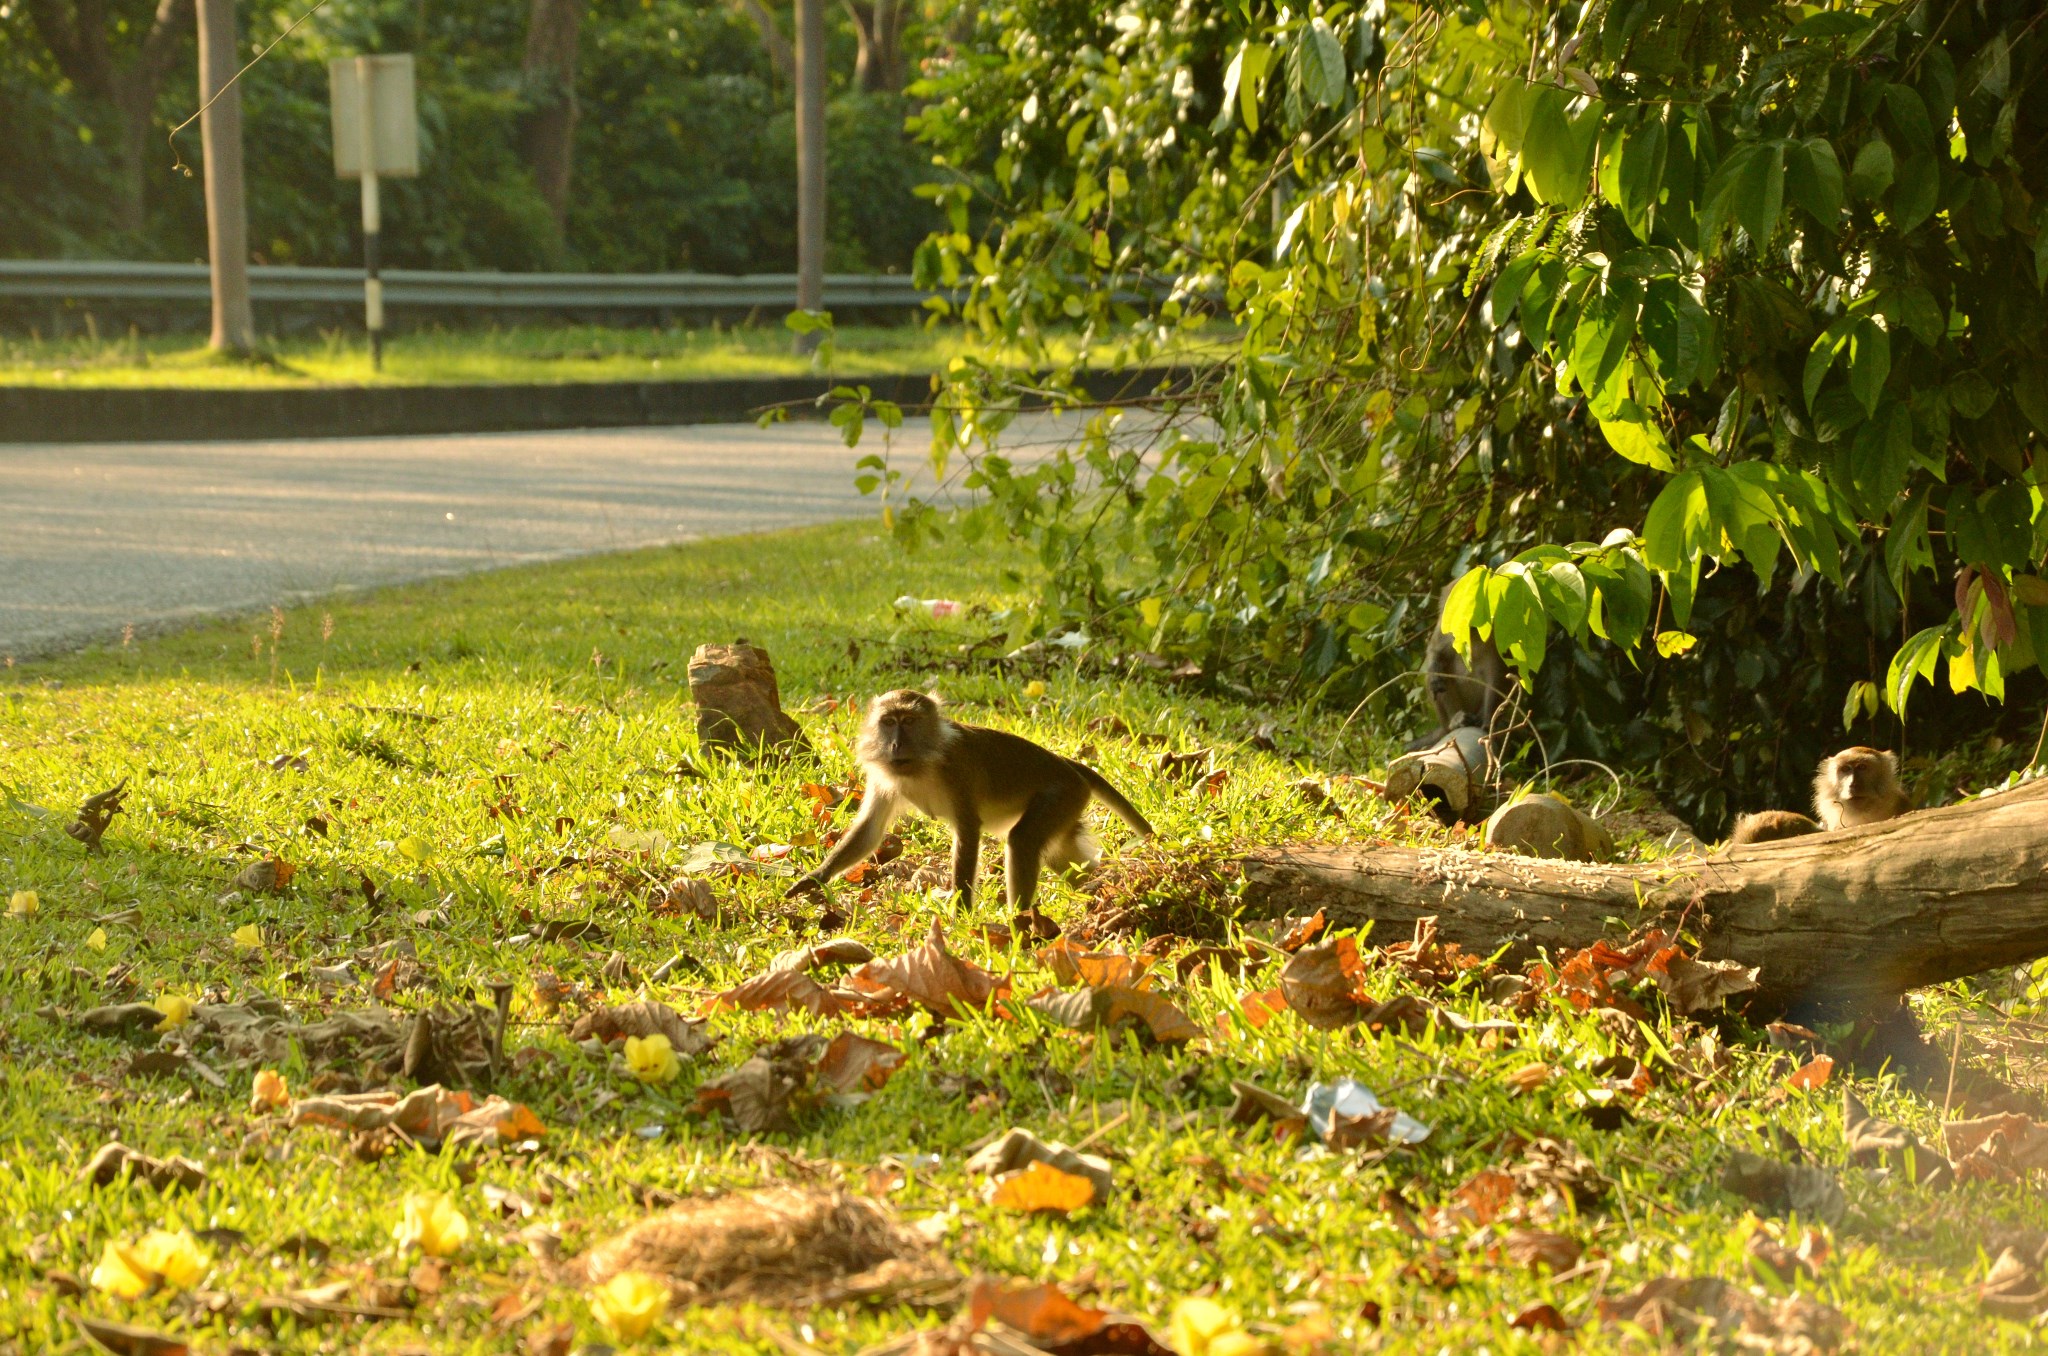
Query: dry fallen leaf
1040	1186
1056	1324
856	1064
1115	1008
1071	964
930	976
1539	1248
646	1018
124	1340
1321	983
115	1160
1539	1318
1810	1075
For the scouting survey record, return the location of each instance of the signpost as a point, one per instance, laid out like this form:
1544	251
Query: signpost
376	136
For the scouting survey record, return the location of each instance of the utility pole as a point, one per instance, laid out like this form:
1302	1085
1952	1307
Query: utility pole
227	212
810	164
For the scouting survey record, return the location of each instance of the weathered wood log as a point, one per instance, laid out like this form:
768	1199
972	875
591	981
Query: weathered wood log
1855	917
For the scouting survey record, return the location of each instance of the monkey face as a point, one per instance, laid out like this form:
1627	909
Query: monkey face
1862	772
902	731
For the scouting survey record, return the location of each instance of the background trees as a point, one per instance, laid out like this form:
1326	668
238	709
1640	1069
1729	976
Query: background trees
1701	343
672	147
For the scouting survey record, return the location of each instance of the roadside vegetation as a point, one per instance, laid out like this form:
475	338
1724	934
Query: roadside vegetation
383	806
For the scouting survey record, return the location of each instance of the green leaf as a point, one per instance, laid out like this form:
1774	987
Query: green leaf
1970	395
1507	117
1243	81
1667	528
1565	595
1557	149
1909	114
1507	288
1917	192
1813	180
1464	608
1633	435
1872	173
1640	176
1321	60
1821	357
1914	661
1760	194
1870	362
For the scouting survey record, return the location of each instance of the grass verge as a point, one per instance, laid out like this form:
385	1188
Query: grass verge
522	354
505	763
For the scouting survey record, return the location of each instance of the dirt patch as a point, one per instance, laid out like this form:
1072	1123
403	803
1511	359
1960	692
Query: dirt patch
788	1246
1155	895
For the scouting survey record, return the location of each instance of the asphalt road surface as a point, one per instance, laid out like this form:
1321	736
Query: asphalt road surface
97	537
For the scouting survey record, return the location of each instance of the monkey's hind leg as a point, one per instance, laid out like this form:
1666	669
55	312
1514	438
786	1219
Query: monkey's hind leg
1046	833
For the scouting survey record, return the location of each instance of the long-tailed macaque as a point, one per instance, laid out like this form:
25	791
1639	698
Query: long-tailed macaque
1463	694
977	781
1770	826
1858	786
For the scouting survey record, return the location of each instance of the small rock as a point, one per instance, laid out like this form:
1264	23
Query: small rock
739	705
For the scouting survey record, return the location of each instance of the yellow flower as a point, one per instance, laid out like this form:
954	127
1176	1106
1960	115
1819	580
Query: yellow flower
22	903
248	937
1202	1327
269	1092
98	940
628	1304
432	1224
176	1008
161	1259
1034	689
651	1058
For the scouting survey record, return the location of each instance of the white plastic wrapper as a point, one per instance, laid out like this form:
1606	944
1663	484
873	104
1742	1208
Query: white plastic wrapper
1349	1097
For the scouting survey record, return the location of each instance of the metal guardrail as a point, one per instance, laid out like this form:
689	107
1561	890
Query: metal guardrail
87	279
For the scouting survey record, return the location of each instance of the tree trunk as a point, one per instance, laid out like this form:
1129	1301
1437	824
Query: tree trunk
227	214
781	56
810	164
1854	917
878	28
549	133
79	35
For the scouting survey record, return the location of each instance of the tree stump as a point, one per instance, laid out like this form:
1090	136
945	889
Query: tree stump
739	706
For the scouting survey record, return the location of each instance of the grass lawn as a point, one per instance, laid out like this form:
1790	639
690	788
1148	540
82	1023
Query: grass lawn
504	760
427	357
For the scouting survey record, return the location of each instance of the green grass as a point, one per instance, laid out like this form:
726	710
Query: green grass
560	690
429	357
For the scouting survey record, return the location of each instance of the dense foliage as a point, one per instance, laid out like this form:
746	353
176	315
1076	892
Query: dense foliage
1743	300
685	148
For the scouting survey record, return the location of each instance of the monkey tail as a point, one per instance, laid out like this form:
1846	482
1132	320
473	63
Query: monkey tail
1099	786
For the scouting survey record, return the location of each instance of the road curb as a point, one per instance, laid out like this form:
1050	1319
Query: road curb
47	414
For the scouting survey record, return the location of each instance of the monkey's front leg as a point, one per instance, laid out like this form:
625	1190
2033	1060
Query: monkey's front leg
877	812
966	859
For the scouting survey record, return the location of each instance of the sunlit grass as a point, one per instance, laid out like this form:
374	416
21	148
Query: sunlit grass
424	713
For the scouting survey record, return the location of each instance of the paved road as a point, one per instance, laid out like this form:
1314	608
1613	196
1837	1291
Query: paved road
97	537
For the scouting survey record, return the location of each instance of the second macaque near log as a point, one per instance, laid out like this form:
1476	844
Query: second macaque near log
1462	693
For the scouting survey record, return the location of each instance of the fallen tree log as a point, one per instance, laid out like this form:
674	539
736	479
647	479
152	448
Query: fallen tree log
1855	917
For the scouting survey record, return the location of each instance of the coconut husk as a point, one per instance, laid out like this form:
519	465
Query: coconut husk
789	1246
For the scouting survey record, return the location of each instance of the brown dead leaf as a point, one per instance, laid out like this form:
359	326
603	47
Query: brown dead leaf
1321	983
930	976
1875	1143
432	1115
1993	1148
1255	1104
1184	766
645	1018
832	951
1781	1188
1262	1007
1534	1248
1057	1324
1693	985
856	1064
1071	964
1042	1187
1231	960
96	814
2012	1288
1811	1074
1116	1008
1527	1079
124	1340
1539	1318
780	988
755	1096
115	1160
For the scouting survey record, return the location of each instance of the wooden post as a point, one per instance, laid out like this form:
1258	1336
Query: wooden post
810	164
227	213
373	219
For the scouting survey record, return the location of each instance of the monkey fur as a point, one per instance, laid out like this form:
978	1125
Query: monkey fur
1463	694
977	781
1858	786
1770	826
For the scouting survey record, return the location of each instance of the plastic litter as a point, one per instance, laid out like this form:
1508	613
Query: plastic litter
1352	1100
